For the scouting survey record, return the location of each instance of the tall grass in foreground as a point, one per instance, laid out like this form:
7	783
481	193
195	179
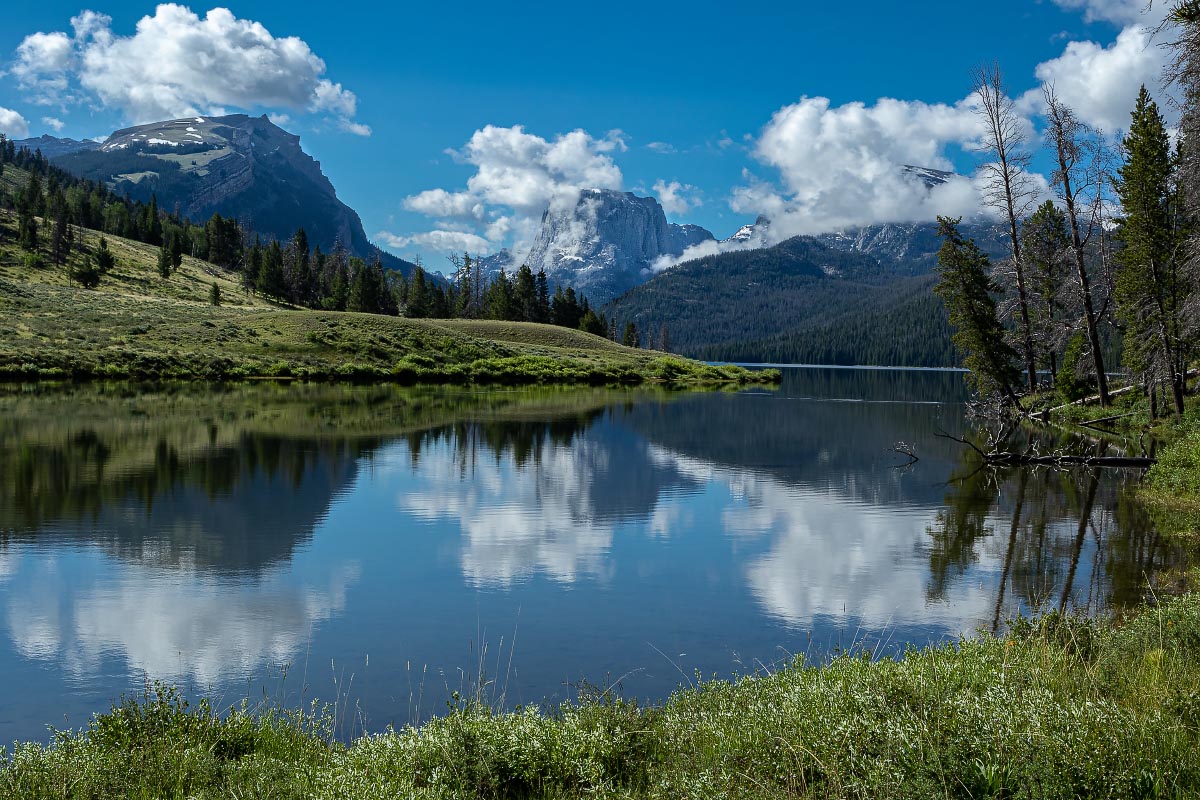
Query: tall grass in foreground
1061	707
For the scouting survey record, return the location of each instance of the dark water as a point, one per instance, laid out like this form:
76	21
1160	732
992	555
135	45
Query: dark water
390	545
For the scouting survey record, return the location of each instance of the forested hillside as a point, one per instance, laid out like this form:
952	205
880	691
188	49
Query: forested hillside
799	301
898	324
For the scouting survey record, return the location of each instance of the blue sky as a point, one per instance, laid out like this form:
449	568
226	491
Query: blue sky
665	93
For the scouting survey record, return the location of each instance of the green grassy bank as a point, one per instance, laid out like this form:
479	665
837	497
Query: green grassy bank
139	325
1059	708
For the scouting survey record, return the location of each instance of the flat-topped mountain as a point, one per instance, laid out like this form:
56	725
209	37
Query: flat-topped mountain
53	147
605	244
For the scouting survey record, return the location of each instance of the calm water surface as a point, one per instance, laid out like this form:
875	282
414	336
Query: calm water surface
391	544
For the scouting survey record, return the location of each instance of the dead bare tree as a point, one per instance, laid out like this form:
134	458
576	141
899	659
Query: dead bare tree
1008	186
1078	159
1184	73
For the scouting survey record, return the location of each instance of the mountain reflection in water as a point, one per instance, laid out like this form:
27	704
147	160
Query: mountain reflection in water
211	536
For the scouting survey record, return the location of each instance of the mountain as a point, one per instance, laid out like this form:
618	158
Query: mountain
912	247
799	301
932	178
748	232
236	166
603	245
52	147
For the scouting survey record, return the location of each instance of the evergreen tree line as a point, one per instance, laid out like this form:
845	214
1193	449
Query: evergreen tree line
62	200
1075	281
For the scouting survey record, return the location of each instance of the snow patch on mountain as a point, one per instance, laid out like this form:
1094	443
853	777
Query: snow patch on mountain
603	245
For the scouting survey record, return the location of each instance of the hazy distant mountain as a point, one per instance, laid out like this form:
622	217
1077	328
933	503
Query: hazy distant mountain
237	166
605	244
53	147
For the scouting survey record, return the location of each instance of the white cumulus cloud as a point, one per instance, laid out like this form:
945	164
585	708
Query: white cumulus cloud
438	241
42	65
54	124
518	175
1101	83
843	166
12	124
177	64
1120	12
676	197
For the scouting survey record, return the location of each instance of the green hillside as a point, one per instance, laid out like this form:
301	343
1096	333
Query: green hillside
797	302
138	324
899	324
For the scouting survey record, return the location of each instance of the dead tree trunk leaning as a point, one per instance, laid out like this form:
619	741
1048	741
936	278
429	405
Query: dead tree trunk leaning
1066	133
1008	188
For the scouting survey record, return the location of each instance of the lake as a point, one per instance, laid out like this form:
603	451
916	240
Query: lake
384	547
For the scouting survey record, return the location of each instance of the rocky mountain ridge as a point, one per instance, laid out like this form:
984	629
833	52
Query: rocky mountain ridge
53	147
603	245
236	166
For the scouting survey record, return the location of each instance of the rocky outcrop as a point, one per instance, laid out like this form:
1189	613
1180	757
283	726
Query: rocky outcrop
607	243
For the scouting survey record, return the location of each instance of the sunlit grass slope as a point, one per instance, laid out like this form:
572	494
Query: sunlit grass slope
140	325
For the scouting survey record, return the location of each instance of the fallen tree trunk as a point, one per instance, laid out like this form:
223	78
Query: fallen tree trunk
1006	459
1020	459
1096	423
1087	401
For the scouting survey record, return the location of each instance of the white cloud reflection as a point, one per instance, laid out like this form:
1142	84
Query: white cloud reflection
172	624
520	520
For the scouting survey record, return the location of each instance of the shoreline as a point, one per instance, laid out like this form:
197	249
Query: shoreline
1059	706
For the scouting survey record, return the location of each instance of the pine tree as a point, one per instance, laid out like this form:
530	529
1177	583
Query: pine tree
214	294
1151	291
418	295
152	224
631	337
499	298
439	304
464	286
593	323
1047	250
543	297
27	232
966	289
525	298
105	260
60	245
270	274
339	292
89	274
176	250
565	310
164	261
253	267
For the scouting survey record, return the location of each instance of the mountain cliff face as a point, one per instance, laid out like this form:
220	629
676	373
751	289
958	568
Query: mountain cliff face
236	166
604	245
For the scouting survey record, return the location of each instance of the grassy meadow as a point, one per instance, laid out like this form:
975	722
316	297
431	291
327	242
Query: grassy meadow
139	325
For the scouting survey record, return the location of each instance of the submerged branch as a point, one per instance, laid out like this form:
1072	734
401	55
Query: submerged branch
1009	459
